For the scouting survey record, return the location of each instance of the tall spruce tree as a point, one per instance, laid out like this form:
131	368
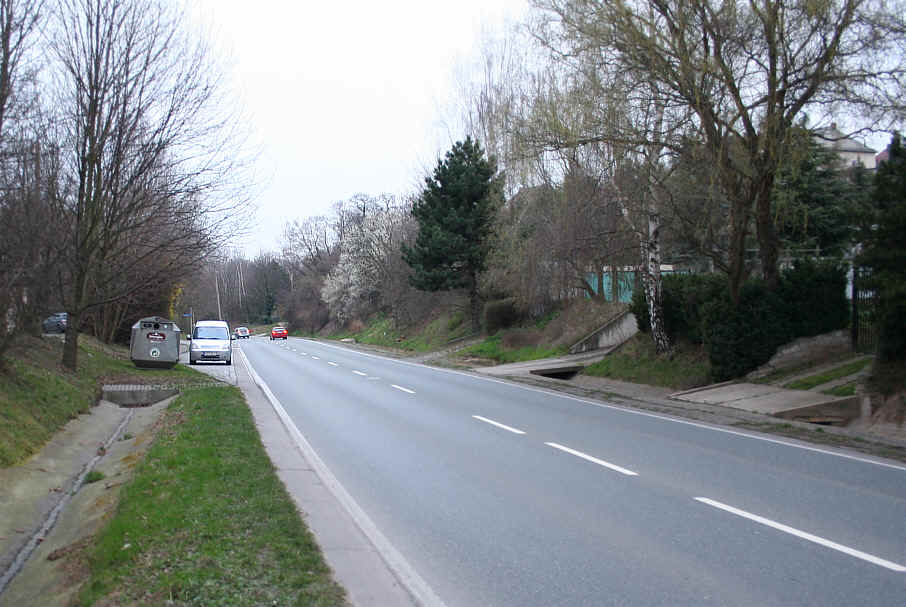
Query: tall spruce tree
885	252
455	213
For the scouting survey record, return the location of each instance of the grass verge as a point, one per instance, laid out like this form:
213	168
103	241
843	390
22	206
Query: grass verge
436	334
807	383
848	389
493	349
638	362
38	396
206	521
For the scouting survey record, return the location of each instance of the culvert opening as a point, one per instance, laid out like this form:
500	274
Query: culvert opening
558	372
131	396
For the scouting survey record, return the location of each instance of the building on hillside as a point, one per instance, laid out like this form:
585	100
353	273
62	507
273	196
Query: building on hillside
850	151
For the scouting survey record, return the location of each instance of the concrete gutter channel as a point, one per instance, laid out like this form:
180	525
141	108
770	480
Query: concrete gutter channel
46	508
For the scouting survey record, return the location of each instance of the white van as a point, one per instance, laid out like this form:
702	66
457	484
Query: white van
211	342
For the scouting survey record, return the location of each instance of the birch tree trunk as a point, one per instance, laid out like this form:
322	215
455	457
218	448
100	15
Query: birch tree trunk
651	282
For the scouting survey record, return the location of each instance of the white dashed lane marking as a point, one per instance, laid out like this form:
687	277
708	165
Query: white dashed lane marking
806	536
595	460
498	424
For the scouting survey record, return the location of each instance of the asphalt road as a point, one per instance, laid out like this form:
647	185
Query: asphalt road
499	494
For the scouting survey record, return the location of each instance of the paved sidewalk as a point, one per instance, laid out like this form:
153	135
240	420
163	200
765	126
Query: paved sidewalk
539	367
772	400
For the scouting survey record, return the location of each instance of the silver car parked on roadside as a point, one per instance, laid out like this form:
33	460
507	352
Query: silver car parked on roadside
211	342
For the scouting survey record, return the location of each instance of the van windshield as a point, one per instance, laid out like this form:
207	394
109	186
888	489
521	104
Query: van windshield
210	333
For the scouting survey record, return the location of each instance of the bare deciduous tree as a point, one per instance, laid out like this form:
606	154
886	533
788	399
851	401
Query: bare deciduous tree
153	166
24	254
748	71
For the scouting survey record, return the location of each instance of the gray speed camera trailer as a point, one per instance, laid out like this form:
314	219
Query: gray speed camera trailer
155	343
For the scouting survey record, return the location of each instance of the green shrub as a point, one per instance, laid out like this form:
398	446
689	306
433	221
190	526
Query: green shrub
814	298
811	300
500	314
639	308
94	476
740	338
683	297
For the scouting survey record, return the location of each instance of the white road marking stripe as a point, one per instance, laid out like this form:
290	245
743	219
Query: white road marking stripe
498	424
630	411
423	593
403	389
332	364
595	460
360	373
316	358
806	536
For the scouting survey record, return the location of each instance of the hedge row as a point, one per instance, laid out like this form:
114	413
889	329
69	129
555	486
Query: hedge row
500	314
810	300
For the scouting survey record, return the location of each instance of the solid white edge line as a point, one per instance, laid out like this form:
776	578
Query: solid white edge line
404	572
804	535
316	357
360	373
498	424
595	460
332	364
407	390
630	411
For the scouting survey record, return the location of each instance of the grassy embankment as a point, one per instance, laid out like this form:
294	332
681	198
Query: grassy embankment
205	519
38	396
636	361
494	348
812	381
434	335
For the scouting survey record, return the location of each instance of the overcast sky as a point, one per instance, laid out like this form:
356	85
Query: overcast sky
344	97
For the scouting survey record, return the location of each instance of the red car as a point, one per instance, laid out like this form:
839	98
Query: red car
278	333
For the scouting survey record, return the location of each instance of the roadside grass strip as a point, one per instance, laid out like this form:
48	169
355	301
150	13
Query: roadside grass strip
206	521
637	361
493	349
807	383
848	389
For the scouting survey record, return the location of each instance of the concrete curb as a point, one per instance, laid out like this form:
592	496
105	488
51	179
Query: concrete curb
363	560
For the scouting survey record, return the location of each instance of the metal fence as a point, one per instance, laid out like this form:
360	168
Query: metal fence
864	325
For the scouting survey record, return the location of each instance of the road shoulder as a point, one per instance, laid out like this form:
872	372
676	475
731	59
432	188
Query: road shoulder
357	565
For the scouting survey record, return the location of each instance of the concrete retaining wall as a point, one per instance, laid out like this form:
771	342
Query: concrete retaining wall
613	333
805	349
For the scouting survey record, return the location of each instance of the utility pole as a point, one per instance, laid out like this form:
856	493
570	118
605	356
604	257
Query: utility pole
217	289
